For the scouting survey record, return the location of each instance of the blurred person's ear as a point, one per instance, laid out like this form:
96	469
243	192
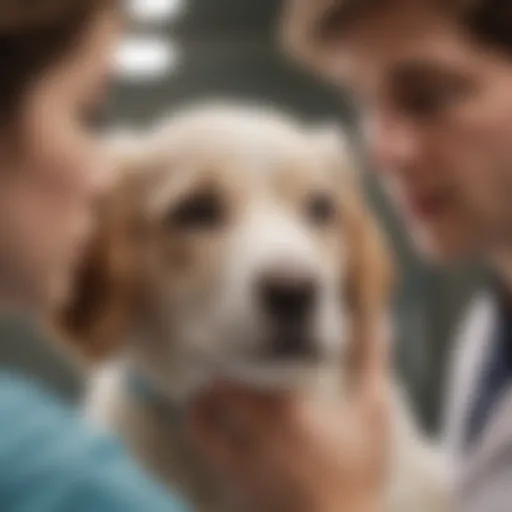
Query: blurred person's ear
297	30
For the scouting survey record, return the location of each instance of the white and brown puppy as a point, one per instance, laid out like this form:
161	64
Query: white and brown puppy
235	245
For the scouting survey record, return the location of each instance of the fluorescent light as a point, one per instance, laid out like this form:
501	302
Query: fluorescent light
146	58
155	10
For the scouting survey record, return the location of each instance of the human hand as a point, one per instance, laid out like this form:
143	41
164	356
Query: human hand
290	454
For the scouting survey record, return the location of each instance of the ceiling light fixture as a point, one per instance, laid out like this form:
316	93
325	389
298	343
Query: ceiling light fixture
146	58
154	11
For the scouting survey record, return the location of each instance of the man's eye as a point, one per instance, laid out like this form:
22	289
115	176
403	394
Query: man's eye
427	102
202	211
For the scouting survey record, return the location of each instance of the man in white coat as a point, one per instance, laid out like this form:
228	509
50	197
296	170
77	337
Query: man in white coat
434	80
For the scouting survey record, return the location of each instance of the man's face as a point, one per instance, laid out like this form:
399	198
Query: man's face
438	111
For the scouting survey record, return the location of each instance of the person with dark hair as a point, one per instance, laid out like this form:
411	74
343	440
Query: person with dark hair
54	66
434	80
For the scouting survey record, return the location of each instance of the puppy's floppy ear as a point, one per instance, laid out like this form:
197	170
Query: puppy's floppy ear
105	287
369	273
369	280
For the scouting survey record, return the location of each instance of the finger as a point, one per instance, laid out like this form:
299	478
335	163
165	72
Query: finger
245	405
248	465
207	433
373	381
231	424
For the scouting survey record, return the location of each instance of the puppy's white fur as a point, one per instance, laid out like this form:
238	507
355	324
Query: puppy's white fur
206	322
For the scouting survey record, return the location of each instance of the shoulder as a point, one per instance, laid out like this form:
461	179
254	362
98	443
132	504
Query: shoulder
47	455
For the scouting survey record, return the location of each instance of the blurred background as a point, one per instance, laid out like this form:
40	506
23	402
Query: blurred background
179	51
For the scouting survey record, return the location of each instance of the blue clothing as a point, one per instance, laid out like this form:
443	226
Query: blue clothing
50	461
497	375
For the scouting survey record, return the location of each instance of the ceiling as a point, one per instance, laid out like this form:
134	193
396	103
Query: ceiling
227	49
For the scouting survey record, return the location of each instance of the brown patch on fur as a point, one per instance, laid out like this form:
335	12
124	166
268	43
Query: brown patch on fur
369	278
106	286
132	254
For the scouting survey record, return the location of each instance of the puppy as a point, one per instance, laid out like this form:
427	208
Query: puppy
236	245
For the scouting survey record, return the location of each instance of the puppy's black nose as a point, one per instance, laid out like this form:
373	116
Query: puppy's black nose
288	295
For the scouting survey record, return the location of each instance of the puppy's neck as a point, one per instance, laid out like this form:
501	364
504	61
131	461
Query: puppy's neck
157	372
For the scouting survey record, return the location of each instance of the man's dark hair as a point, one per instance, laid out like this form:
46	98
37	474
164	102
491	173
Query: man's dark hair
490	21
34	36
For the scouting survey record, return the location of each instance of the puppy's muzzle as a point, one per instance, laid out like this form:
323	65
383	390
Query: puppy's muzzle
287	297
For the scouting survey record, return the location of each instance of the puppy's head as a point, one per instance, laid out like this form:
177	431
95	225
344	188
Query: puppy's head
237	243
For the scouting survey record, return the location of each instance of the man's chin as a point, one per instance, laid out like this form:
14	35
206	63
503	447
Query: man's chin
443	250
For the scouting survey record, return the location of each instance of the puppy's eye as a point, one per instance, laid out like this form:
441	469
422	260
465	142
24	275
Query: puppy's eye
321	209
201	211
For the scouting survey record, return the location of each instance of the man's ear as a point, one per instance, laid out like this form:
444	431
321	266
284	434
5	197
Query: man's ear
104	292
297	27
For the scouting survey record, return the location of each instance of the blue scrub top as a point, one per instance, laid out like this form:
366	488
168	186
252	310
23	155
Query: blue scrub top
51	462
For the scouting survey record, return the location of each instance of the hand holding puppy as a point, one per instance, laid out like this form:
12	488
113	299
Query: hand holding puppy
289	454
